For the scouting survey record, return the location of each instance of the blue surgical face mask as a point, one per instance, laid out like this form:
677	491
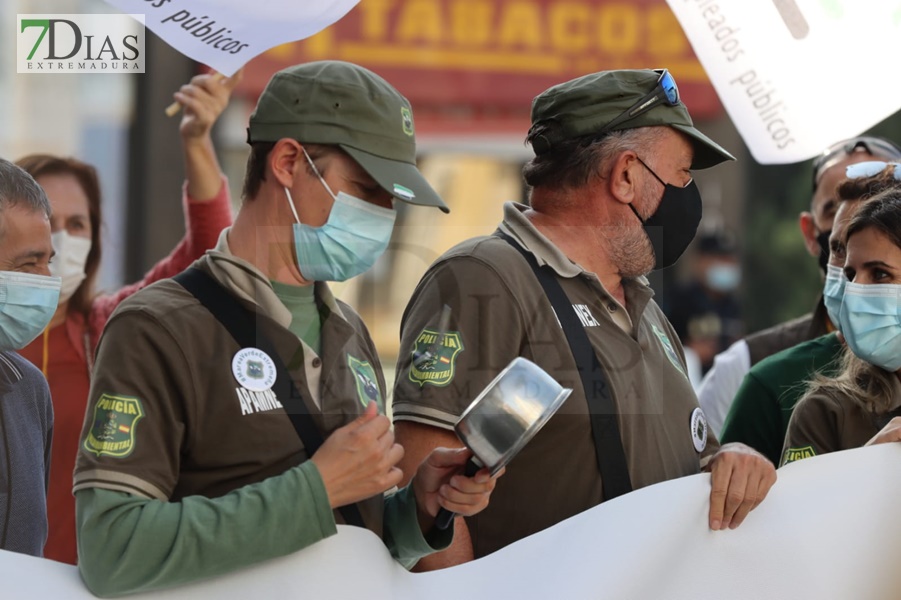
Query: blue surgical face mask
356	234
27	303
871	324
723	278
833	292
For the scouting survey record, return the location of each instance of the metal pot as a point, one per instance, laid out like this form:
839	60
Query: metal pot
505	416
509	412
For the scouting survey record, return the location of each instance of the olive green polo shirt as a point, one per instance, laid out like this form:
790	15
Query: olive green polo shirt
499	312
177	408
827	421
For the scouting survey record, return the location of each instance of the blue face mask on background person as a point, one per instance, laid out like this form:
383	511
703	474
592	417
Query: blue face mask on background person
871	325
723	278
833	292
27	303
356	234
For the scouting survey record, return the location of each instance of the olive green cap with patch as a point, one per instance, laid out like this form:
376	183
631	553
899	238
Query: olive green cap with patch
584	106
345	105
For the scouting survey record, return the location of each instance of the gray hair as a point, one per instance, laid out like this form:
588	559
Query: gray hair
573	163
18	187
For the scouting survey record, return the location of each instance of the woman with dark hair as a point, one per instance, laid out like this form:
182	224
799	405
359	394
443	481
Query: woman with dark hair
862	404
65	351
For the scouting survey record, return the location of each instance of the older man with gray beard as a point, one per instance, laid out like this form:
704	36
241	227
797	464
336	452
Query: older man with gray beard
561	282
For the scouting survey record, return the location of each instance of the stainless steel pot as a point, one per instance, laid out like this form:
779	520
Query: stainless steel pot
505	416
509	412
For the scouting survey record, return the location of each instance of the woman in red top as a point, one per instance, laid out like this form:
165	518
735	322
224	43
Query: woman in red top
65	352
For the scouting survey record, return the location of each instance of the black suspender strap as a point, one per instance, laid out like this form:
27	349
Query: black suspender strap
240	323
608	445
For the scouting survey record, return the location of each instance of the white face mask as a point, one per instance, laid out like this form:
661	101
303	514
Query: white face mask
69	261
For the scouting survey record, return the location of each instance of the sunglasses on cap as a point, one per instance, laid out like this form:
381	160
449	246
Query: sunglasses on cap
871	168
664	92
840	151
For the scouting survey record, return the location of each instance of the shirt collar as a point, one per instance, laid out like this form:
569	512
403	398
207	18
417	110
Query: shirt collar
521	229
250	285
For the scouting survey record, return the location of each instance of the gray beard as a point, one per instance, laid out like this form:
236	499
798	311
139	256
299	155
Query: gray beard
628	245
631	252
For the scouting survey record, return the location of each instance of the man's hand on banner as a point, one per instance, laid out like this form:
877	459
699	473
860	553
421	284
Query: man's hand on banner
740	479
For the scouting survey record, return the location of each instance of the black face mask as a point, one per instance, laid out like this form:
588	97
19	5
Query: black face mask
823	241
673	225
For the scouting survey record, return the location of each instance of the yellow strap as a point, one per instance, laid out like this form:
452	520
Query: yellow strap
46	349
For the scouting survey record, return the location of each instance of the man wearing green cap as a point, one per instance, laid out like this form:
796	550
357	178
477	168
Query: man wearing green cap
562	282
234	411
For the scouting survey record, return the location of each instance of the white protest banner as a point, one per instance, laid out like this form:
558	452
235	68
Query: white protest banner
797	75
828	530
226	34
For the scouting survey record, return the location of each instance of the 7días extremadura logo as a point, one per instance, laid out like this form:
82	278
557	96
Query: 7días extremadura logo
97	43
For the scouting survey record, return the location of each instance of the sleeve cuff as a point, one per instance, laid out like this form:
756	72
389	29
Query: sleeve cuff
403	536
324	514
409	411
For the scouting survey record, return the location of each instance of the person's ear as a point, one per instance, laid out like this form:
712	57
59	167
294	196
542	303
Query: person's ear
809	231
286	161
622	182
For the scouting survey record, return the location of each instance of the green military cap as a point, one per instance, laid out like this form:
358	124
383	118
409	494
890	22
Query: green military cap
338	103
614	100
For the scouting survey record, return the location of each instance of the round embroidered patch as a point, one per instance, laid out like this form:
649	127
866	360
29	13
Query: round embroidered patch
699	429
253	369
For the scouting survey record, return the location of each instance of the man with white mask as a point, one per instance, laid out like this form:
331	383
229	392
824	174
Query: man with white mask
234	411
28	299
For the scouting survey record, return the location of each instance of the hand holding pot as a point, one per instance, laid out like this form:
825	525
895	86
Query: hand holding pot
441	483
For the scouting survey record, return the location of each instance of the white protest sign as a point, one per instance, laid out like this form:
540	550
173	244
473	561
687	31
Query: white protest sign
828	530
226	34
797	75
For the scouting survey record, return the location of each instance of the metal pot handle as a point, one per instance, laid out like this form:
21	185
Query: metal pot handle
446	517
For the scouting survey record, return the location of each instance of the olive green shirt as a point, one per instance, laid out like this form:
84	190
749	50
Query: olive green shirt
499	312
827	421
189	464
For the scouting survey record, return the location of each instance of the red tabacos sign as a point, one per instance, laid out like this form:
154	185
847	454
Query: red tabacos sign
475	65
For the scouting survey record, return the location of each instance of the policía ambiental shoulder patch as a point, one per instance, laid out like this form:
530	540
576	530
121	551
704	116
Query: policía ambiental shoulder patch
113	426
434	357
793	454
